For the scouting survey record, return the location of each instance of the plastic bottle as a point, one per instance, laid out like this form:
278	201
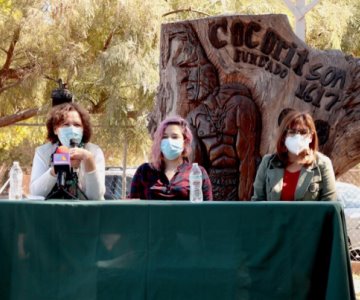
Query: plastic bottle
16	180
195	179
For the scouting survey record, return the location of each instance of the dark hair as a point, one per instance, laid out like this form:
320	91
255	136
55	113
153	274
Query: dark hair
60	96
58	115
290	120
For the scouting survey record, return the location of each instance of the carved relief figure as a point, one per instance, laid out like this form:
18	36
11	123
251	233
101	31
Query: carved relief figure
226	123
206	65
227	130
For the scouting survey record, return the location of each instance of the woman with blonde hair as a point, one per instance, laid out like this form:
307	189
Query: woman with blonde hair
297	171
167	176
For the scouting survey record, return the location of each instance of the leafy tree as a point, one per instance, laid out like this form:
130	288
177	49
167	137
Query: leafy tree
350	42
325	28
111	68
108	53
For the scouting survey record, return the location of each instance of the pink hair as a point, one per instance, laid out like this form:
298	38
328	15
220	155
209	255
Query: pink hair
157	158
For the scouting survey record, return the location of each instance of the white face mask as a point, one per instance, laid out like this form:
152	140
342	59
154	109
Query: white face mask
297	143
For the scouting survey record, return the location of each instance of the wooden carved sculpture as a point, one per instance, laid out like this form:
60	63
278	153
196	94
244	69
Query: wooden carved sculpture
235	77
226	129
224	119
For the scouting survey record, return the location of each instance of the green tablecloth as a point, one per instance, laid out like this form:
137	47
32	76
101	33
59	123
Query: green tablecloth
173	250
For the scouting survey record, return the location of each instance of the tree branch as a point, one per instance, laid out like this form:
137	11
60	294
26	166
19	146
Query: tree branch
109	39
310	6
9	86
185	10
19	116
10	52
14	74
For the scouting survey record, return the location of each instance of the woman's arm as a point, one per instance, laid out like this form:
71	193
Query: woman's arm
42	177
206	186
94	165
328	192
260	180
137	188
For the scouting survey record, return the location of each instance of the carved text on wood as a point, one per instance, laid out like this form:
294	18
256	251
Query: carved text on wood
234	77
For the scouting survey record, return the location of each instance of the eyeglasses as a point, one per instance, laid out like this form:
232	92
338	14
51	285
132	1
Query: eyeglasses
298	131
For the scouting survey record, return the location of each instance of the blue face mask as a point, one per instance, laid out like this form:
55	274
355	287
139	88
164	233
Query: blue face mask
172	148
68	133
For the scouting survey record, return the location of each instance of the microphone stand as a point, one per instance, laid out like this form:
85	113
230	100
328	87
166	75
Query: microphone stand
74	175
60	191
66	182
78	191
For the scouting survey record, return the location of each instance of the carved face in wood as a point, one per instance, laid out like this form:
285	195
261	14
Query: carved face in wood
196	76
201	60
201	82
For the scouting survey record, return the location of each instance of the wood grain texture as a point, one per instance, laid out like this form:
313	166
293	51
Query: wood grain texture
233	77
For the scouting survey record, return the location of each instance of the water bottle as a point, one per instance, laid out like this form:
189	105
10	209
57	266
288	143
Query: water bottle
16	180
195	180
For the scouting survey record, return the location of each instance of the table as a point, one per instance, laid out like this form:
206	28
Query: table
173	250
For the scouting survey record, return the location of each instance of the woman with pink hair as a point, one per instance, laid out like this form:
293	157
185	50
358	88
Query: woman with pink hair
167	176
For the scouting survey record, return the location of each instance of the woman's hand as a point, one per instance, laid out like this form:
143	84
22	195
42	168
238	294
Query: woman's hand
77	155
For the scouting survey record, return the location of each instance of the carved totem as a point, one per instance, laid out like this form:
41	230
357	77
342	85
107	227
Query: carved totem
235	77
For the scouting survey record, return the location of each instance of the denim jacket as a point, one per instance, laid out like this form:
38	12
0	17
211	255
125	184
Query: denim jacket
316	182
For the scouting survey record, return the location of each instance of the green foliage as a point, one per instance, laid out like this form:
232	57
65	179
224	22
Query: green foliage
325	28
350	42
18	142
108	53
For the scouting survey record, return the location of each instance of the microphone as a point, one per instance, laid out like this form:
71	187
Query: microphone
79	193
62	166
66	187
74	143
